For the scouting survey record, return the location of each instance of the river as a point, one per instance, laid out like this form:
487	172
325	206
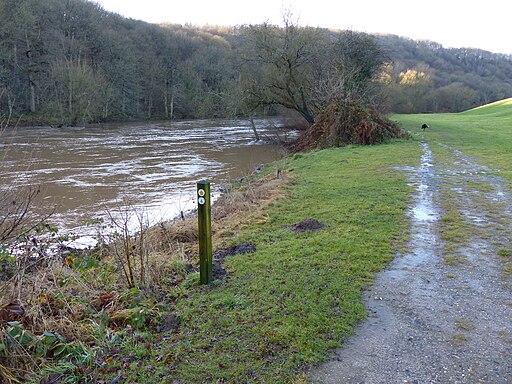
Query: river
86	172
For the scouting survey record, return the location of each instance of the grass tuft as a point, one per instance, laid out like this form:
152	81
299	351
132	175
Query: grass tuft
464	324
458	339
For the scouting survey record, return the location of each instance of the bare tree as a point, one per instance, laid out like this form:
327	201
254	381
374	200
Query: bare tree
129	244
15	209
287	58
305	69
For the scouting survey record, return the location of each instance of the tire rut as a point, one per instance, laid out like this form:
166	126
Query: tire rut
430	321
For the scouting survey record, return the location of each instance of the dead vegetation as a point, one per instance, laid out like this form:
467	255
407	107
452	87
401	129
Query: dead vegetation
238	206
347	121
81	297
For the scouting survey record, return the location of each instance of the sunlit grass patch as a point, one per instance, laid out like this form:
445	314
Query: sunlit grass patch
482	132
499	108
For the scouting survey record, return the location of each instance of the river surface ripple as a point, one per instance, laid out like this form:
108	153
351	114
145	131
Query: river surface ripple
86	172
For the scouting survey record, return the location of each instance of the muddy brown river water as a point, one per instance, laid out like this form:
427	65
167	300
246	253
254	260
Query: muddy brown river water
85	172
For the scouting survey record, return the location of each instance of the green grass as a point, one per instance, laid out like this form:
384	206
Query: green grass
506	253
454	228
464	324
458	339
500	108
484	132
287	305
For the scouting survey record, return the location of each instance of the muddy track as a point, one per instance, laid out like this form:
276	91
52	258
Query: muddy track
442	311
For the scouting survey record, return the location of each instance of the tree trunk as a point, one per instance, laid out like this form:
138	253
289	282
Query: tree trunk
150	107
172	106
304	110
10	104
308	116
166	99
32	97
30	77
256	135
166	106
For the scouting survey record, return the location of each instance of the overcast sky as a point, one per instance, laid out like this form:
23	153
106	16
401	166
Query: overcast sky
453	23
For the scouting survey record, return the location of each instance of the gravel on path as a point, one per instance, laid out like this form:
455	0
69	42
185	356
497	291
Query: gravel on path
429	320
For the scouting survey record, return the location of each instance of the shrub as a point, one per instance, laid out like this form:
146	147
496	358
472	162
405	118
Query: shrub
346	121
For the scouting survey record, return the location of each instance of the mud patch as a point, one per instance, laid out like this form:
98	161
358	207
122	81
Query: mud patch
219	272
170	322
239	249
310	225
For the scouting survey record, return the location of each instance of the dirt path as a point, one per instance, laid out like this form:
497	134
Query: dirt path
439	313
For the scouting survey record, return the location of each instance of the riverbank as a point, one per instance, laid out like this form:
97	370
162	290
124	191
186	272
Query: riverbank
313	245
286	305
85	173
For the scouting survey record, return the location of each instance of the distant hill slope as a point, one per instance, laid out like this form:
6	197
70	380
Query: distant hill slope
71	61
500	108
426	77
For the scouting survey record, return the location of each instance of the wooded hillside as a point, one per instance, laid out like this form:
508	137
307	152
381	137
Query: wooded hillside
425	77
70	61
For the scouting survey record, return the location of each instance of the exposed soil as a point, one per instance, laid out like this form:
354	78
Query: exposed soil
430	320
170	322
238	249
218	257
311	225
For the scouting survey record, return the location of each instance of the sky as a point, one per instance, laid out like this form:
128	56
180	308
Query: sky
453	23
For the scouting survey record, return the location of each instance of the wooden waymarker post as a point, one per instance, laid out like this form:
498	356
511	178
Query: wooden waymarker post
204	218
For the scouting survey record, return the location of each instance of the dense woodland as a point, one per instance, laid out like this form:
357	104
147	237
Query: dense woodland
425	77
70	62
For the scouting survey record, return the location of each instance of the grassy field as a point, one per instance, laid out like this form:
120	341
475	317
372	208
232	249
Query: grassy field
288	304
484	132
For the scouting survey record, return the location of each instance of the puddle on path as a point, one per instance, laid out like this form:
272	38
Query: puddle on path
423	214
417	305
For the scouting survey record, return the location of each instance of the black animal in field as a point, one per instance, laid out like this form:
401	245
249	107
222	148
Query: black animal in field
423	127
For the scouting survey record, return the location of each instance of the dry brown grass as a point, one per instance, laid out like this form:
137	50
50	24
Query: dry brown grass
6	375
230	213
52	301
246	205
64	299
